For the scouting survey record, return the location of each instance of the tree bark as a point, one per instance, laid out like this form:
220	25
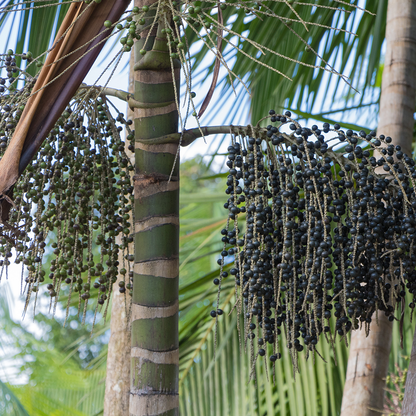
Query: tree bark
409	402
368	359
117	383
368	363
155	345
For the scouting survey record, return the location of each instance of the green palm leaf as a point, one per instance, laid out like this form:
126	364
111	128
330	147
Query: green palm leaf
56	383
9	403
352	54
37	25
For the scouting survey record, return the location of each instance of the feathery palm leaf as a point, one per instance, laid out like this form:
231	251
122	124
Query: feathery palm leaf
43	379
9	403
310	90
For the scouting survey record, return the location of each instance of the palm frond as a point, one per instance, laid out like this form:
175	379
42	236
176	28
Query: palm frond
10	405
216	366
354	46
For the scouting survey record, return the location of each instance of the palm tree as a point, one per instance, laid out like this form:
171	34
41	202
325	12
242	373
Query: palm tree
165	226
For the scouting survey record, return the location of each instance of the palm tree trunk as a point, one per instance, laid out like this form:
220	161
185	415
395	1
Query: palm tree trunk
117	382
368	362
155	346
409	402
369	357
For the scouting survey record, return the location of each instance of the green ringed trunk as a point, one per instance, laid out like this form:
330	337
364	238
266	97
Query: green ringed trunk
155	345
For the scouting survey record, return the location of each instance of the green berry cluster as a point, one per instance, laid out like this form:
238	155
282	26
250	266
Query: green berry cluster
73	203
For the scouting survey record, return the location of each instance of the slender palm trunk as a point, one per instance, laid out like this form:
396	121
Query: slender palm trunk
369	357
409	402
117	382
367	368
154	352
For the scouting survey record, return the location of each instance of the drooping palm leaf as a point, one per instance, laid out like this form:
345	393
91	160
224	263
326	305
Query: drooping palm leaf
317	390
9	403
310	90
43	377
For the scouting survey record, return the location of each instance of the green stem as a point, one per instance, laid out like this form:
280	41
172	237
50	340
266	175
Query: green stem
155	345
125	96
